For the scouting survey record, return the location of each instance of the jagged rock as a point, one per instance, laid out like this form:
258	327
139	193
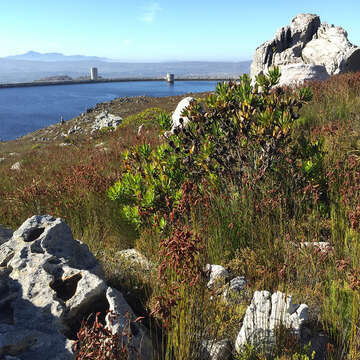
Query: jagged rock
299	72
220	350
140	345
307	50
16	166
235	289
289	40
331	48
51	283
106	120
217	274
177	115
265	313
5	234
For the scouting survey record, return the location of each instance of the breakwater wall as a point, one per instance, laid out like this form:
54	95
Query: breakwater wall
73	82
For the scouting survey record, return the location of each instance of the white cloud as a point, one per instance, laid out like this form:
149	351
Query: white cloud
127	42
149	12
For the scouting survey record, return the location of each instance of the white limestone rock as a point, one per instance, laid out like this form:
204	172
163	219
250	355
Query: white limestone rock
141	346
50	283
106	120
307	50
177	115
16	166
217	276
134	257
331	48
289	40
296	74
265	313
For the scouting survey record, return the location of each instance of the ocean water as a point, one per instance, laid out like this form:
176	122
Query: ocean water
23	110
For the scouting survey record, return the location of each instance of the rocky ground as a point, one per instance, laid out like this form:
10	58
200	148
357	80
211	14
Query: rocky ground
82	124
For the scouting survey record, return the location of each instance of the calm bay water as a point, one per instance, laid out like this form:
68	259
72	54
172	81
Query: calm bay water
23	110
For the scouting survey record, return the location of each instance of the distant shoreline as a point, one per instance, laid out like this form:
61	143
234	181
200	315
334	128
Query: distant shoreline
73	82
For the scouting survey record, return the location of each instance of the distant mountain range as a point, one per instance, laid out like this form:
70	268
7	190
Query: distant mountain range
36	56
34	66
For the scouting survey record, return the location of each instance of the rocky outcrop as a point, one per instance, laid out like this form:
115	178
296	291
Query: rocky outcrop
265	313
307	50
49	282
106	120
331	48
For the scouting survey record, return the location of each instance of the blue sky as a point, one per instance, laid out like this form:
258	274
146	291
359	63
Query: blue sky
159	30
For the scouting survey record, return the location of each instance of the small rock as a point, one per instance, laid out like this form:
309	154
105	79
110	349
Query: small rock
177	115
218	276
264	314
134	257
140	130
2	159
106	120
323	246
220	350
16	166
235	289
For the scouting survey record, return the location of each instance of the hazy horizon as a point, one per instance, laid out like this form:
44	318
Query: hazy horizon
158	30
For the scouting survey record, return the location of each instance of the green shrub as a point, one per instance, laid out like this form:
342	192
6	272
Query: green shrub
165	121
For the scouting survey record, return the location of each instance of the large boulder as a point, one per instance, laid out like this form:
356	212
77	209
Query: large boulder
265	313
307	50
286	46
49	283
297	73
331	48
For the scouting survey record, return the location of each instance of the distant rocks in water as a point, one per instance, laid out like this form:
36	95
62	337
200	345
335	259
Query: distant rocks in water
106	120
49	283
307	50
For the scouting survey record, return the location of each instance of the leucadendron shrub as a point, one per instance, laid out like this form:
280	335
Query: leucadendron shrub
239	135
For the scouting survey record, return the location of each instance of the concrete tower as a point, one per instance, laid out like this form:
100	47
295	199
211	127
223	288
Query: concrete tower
93	73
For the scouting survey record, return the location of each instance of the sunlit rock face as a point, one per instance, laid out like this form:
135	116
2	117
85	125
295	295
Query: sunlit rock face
307	50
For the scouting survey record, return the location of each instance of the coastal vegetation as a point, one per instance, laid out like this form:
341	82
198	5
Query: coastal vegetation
252	178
